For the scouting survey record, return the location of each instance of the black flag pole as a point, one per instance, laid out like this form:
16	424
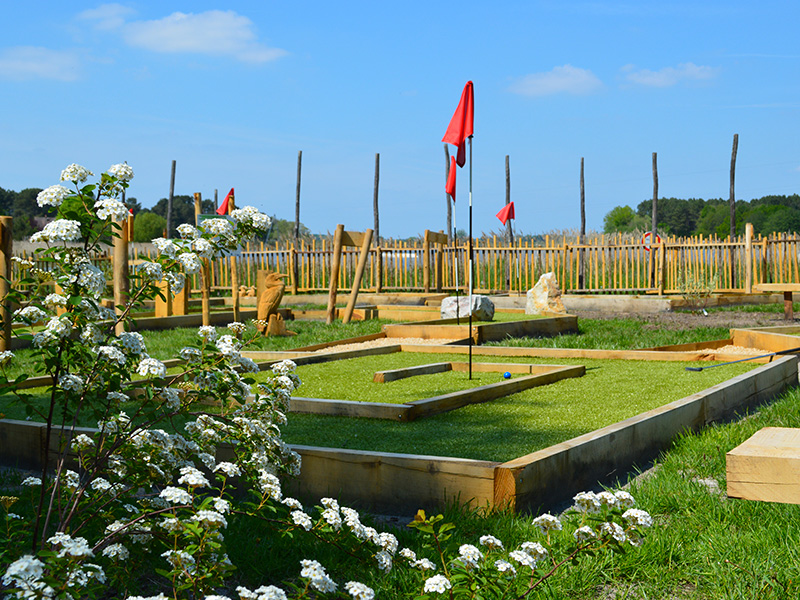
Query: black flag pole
471	270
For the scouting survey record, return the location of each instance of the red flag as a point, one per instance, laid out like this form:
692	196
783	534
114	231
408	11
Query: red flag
223	209
506	213
450	188
460	127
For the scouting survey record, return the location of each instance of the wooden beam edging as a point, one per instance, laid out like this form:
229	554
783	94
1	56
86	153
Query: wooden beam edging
556	473
353	340
383	481
350	408
771	341
192	320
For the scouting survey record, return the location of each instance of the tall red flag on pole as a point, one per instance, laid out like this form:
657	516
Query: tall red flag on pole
506	213
450	188
223	209
460	127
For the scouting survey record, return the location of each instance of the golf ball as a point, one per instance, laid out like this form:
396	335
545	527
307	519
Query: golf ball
506	375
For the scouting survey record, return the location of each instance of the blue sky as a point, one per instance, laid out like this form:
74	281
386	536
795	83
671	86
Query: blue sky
233	90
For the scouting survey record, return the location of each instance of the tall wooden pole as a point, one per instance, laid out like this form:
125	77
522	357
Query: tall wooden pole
216	199
375	199
295	266
121	282
169	200
6	252
336	258
654	221
582	238
198	208
447	196
234	269
732	203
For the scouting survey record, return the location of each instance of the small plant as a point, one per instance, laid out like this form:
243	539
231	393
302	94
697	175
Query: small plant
696	289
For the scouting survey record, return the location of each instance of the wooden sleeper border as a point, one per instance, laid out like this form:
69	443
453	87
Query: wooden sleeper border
536	375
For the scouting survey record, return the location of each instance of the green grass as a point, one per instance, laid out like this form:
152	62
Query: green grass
498	430
619	334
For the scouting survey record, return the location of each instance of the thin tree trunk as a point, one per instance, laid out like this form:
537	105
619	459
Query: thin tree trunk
297	200
732	203
169	200
375	199
654	222
582	238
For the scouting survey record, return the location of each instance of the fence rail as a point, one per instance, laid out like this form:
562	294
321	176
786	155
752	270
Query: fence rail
606	264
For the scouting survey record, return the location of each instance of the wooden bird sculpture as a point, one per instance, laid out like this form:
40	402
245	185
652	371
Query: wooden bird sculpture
270	298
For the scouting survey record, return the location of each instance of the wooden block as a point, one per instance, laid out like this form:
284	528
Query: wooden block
766	467
395	374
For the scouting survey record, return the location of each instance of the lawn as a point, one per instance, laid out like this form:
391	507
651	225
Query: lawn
498	430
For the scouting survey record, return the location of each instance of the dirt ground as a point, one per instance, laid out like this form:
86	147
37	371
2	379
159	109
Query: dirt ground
687	320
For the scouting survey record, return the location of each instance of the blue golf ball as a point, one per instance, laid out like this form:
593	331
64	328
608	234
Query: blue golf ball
506	375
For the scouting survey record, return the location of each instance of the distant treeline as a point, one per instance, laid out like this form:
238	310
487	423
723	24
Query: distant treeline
150	223
696	216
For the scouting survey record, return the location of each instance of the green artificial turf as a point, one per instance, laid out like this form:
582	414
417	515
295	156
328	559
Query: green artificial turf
501	429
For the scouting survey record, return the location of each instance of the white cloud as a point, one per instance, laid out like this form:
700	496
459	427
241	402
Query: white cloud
107	16
21	63
560	80
215	33
669	76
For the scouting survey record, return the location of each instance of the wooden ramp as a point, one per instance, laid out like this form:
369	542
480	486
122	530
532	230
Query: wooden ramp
766	467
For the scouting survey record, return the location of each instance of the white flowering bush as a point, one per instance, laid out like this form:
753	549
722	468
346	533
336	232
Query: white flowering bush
142	502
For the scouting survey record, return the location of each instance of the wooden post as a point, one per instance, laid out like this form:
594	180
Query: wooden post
378	269
582	238
234	270
205	290
294	269
6	252
216	199
375	198
336	257
732	203
439	264
662	257
654	221
426	262
295	272
198	208
169	200
748	258
163	307
362	263
121	283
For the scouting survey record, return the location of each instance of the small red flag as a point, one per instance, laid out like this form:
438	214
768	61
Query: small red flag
506	213
223	209
450	188
460	127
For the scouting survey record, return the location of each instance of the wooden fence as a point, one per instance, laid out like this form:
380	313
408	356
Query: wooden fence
606	264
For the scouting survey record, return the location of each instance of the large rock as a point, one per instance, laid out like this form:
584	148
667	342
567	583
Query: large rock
545	297
482	307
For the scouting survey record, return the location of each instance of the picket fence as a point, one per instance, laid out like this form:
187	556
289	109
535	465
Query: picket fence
605	264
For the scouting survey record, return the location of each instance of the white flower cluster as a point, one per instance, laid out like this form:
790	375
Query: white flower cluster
151	271
110	208
132	341
111	353
5	357
319	579
52	196
190	262
121	171
30	314
589	502
60	230
249	215
218	227
151	367
75	173
92	279
265	592
166	247
188	232
547	523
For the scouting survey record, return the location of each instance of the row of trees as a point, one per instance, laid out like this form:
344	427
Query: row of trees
149	223
696	216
